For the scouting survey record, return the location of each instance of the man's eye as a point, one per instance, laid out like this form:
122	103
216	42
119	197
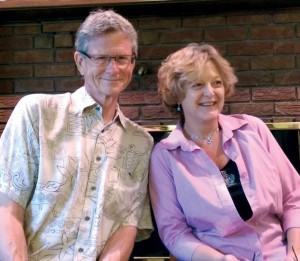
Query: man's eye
101	58
122	58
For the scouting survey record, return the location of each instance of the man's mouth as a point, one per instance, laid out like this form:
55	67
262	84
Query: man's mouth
110	80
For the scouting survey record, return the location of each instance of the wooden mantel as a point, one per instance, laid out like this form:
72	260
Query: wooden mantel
11	4
14	11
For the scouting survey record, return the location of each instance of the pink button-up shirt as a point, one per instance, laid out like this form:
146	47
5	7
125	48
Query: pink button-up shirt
192	205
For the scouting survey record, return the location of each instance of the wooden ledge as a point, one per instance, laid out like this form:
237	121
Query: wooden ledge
18	11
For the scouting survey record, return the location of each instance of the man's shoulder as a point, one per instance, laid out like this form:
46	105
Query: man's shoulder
137	130
43	99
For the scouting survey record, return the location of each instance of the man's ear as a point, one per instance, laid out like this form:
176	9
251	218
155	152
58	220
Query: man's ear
79	62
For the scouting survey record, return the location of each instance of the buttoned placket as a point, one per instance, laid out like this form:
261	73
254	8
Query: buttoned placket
88	227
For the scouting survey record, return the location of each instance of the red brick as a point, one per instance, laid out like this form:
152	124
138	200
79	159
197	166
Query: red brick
148	37
6	86
64	55
62	26
63	40
242	48
241	94
298	31
6	30
240	63
272	32
181	36
286	47
298	93
68	85
15	71
287	78
158	23
286	17
275	94
273	62
226	34
34	85
257	109
4	115
266	119
43	41
6	57
204	21
9	101
16	42
2	126
248	19
139	98
28	29
158	51
287	108
253	78
131	112
34	56
156	112
283	119
54	70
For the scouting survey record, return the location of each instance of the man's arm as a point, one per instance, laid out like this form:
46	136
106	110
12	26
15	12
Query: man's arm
12	238
119	246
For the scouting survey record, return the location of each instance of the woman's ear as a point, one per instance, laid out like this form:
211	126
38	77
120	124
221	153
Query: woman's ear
79	62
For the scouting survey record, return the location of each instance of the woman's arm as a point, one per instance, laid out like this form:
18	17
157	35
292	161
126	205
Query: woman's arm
293	238
119	246
12	238
206	253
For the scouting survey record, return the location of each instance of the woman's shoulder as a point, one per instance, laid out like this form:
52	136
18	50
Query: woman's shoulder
245	118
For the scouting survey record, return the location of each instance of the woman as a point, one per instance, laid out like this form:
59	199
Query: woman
221	187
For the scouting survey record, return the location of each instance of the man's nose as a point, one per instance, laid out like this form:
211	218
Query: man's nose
112	64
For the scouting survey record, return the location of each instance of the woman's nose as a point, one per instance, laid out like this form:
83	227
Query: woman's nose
208	89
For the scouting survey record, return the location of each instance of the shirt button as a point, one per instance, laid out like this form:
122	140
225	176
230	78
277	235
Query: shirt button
80	250
93	188
257	254
97	108
98	158
87	218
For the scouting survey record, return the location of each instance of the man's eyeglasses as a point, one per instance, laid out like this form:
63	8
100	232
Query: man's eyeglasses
103	60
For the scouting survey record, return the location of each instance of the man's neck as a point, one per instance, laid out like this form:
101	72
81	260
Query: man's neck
108	112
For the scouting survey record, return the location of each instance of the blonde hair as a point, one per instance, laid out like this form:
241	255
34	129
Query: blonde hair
185	66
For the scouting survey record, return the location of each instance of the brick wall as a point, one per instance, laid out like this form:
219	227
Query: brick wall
263	46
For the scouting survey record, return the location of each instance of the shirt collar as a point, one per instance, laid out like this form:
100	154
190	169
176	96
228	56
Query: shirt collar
84	100
228	124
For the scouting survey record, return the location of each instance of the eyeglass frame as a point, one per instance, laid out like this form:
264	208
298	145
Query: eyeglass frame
108	59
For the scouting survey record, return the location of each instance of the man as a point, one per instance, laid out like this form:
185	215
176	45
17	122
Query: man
73	168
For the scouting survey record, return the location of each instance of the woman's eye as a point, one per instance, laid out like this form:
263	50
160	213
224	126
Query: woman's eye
218	83
197	86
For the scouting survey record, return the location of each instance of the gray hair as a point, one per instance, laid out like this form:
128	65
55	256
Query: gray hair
102	21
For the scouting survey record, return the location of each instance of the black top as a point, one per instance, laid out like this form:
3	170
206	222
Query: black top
231	177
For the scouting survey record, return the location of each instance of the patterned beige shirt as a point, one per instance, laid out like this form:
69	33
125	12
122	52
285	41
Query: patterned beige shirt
78	180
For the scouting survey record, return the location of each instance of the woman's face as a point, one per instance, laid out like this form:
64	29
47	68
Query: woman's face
204	100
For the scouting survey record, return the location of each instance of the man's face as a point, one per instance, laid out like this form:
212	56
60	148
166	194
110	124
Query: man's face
104	81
